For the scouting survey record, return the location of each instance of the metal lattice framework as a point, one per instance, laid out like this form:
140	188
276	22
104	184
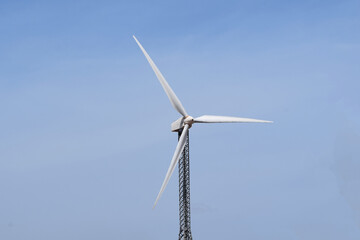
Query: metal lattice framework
184	192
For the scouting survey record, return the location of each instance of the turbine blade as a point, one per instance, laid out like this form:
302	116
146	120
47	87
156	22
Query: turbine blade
179	148
175	102
224	119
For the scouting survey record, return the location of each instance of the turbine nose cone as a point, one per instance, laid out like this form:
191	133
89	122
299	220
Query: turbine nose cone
189	120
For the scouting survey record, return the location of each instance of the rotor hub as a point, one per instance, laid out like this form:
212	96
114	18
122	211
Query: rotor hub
189	120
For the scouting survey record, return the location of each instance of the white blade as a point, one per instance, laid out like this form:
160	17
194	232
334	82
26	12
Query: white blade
179	148
175	102
224	119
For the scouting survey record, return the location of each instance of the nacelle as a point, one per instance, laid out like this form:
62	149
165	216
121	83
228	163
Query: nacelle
177	125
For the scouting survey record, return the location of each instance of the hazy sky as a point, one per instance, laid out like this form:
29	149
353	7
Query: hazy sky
85	126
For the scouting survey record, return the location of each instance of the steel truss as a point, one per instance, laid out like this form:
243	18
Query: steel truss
184	192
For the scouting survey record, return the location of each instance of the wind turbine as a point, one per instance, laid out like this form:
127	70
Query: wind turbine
182	126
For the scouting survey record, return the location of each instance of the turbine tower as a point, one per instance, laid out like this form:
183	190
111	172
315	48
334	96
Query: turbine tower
181	155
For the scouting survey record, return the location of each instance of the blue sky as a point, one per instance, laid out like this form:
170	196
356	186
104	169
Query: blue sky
85	139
